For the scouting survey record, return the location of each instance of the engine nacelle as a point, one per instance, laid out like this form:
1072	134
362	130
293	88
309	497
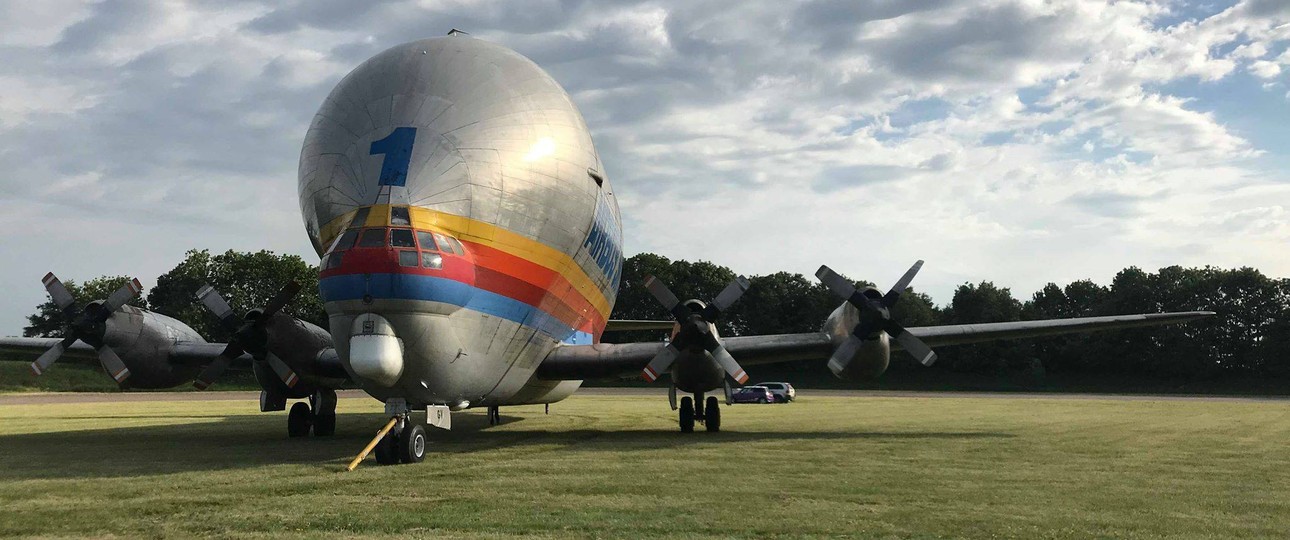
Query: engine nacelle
143	340
297	343
870	360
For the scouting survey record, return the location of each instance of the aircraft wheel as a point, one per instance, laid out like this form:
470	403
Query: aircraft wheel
387	450
687	415
412	444
324	424
299	419
712	414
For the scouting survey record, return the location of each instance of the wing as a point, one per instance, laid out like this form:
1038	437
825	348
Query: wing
184	352
606	360
626	325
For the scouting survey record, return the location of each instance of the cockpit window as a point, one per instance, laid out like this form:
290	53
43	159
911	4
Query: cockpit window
426	239
456	246
333	260
444	244
402	238
399	216
360	217
372	238
408	258
345	241
431	260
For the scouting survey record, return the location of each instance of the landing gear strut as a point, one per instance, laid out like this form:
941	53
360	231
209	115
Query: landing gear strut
494	415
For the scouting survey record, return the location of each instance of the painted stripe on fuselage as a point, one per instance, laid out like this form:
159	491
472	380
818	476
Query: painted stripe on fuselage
436	289
477	233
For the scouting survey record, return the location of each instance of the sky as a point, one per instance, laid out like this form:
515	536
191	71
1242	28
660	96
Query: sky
1021	142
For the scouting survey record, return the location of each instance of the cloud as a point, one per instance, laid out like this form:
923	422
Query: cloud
1017	141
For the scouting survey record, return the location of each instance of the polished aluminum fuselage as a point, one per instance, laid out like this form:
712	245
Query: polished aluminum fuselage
502	161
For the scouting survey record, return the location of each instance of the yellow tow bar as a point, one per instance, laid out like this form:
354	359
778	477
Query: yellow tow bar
388	426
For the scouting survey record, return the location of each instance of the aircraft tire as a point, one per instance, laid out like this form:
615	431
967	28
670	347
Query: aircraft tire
412	444
324	425
687	415
299	420
387	451
712	415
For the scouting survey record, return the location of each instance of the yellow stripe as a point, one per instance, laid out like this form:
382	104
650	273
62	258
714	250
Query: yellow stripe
482	233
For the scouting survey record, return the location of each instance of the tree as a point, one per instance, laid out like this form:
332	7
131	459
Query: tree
247	280
984	303
49	321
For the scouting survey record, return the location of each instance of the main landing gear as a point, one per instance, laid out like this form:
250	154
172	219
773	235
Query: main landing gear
319	414
495	414
697	410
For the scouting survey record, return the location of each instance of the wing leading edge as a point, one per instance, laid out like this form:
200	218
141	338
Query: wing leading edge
608	360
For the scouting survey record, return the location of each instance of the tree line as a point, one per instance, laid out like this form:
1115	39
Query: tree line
1249	337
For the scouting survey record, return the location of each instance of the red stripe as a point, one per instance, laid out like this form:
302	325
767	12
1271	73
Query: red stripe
494	271
552	282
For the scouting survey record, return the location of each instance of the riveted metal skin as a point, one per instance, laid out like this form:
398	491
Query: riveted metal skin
503	161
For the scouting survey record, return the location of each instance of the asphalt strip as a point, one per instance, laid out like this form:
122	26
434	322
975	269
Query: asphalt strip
35	398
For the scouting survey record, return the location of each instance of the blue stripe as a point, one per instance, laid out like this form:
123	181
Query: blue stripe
436	289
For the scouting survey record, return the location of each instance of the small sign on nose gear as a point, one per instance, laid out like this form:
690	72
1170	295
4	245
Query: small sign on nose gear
439	416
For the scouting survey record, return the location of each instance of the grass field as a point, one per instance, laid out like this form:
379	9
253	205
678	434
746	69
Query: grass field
616	467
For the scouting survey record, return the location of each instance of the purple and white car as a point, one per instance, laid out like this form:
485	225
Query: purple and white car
752	394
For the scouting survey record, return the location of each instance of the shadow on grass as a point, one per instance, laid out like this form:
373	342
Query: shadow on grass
238	442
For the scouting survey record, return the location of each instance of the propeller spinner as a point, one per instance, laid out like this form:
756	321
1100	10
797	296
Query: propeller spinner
248	335
875	316
87	325
696	328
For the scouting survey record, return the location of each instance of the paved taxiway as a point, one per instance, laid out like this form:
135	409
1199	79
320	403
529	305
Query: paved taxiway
117	397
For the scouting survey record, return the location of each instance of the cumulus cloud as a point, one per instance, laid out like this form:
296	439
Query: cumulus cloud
1014	140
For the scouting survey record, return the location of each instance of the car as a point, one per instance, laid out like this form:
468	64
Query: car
752	394
782	391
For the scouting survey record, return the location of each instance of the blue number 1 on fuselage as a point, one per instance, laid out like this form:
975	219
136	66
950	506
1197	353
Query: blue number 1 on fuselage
397	148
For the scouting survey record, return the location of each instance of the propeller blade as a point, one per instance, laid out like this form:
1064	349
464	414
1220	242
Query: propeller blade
50	356
729	364
216	304
284	295
660	363
914	346
835	282
843	355
901	284
113	364
288	377
119	297
216	368
730	294
664	296
62	298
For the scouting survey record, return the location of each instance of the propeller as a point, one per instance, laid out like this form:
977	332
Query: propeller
696	328
875	316
87	325
248	335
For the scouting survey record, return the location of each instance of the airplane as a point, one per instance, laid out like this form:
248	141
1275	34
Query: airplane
471	252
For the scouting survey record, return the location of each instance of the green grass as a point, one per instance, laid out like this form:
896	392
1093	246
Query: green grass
616	467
